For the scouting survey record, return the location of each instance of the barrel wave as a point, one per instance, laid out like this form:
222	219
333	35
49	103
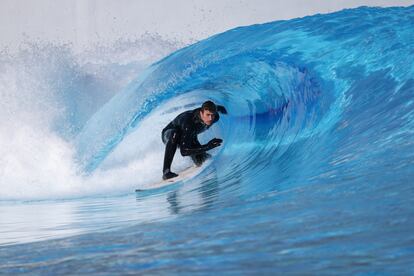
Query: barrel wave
315	173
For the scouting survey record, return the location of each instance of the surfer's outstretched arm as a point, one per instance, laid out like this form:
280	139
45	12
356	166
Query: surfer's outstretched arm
188	147
191	150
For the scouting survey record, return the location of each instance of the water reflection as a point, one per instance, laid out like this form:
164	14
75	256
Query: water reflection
184	196
34	221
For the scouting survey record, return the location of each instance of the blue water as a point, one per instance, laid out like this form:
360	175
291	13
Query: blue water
315	174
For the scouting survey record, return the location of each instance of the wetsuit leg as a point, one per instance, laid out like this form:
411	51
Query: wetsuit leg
170	137
199	159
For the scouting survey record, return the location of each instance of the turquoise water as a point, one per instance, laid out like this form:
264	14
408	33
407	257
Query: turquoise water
315	174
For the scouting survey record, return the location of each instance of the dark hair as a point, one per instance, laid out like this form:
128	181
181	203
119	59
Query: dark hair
210	106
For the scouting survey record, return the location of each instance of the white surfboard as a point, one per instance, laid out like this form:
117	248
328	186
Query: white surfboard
187	173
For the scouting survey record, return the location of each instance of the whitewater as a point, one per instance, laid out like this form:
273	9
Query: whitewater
315	174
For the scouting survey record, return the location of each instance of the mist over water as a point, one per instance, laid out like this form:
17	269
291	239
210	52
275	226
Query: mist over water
48	93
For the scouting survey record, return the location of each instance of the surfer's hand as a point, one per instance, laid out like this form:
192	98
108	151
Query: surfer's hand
221	109
214	143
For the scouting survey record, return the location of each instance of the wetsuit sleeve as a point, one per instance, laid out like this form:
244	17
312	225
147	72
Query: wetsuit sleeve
188	147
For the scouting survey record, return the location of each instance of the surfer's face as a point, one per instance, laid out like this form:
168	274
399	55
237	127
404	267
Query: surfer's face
207	117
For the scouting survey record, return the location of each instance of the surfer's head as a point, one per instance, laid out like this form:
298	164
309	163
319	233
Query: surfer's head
208	112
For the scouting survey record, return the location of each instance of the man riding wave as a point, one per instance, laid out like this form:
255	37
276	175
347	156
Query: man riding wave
182	132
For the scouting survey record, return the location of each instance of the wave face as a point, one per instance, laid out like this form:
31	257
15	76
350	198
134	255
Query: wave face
317	163
321	98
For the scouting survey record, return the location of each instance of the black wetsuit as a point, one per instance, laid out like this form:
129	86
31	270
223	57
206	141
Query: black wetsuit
182	132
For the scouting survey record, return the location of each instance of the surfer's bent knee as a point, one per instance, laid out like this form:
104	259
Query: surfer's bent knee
170	135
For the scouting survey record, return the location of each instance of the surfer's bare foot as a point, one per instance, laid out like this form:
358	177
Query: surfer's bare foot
169	175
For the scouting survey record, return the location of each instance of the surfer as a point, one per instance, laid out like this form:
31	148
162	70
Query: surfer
182	132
